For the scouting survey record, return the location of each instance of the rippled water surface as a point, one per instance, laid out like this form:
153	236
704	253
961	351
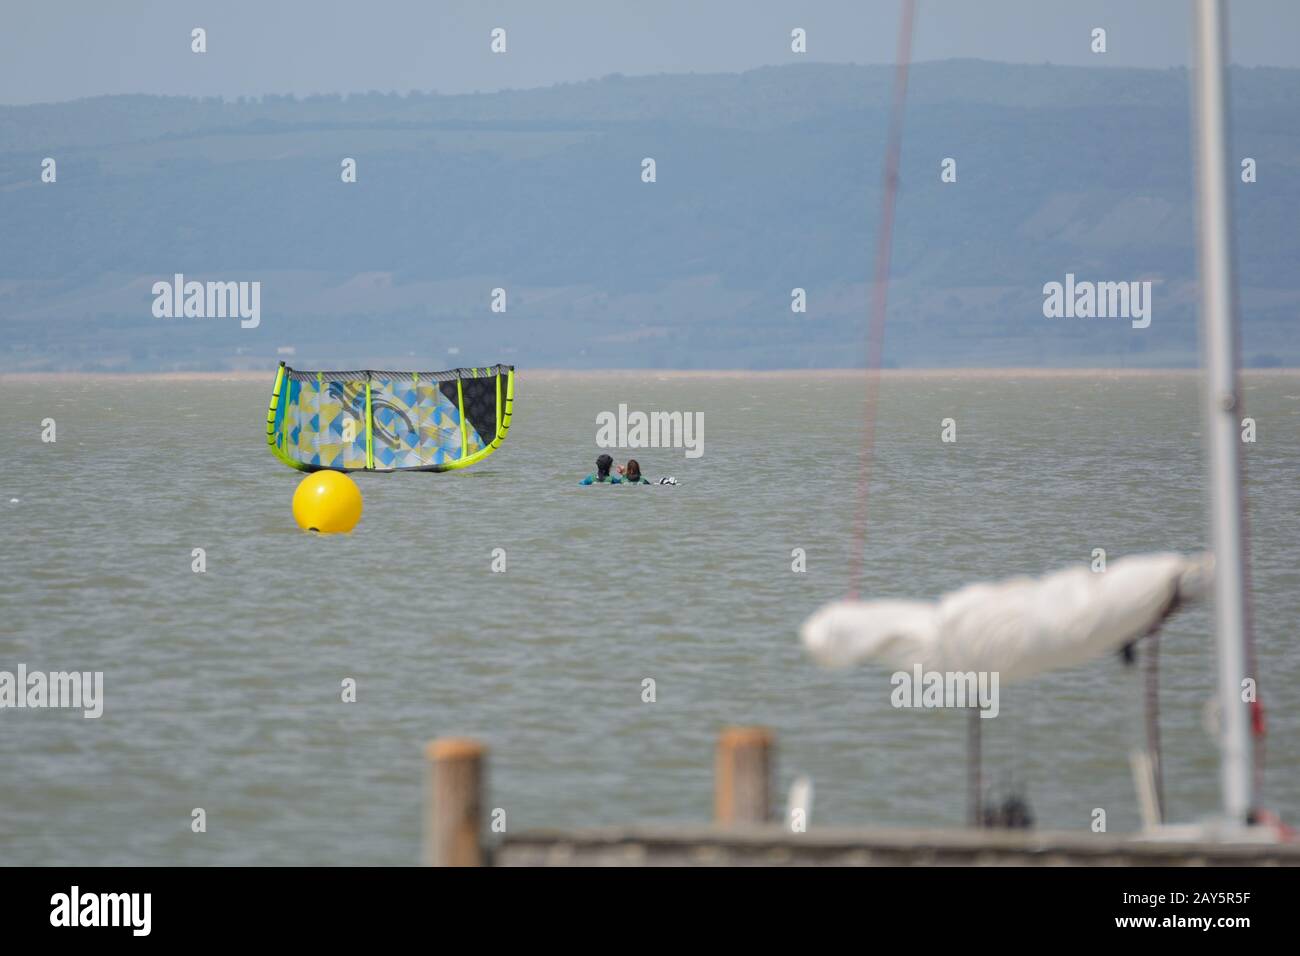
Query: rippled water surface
223	688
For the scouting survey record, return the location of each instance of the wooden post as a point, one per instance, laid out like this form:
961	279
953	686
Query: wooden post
742	776
454	801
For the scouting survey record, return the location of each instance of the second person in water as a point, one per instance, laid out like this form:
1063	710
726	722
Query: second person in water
632	473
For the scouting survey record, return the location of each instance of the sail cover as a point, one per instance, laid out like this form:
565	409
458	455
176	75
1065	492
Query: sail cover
389	421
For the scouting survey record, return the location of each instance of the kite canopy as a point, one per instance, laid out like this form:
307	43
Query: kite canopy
389	421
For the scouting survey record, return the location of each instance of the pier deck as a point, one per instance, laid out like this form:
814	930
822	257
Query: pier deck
773	845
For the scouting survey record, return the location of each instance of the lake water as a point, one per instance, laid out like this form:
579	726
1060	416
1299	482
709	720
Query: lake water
222	689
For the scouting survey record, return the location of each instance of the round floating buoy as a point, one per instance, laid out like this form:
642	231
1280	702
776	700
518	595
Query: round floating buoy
328	502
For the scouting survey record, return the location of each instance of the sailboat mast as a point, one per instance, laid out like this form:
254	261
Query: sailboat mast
1222	402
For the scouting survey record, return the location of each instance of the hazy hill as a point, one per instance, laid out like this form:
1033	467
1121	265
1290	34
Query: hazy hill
767	180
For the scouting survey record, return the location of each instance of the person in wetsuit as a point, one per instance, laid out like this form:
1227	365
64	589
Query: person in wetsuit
602	475
632	473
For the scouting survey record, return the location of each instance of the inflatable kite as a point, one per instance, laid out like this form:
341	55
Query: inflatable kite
389	421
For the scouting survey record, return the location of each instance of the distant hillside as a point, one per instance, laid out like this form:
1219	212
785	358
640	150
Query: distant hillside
766	181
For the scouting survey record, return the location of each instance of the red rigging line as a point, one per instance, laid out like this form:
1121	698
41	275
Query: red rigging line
879	292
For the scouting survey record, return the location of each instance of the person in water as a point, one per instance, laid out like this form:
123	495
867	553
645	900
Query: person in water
632	473
602	475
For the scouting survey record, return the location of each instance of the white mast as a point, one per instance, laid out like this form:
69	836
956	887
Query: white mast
1222	405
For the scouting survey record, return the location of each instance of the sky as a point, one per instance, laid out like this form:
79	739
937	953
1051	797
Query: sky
58	50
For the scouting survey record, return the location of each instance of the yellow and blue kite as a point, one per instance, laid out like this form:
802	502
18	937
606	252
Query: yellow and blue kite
389	421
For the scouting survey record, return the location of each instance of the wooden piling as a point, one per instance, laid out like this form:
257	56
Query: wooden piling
454	802
742	776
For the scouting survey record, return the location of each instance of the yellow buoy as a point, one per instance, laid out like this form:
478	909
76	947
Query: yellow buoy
328	502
